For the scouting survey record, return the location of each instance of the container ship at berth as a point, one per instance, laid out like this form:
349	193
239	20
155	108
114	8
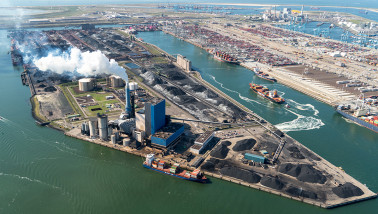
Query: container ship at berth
263	75
360	115
264	92
173	170
223	57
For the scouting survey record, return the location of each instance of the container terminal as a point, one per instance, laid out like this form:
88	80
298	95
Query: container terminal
164	109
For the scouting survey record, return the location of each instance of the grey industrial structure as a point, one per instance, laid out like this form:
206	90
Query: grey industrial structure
87	84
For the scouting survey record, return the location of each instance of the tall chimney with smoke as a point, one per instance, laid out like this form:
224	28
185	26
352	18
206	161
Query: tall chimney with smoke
128	103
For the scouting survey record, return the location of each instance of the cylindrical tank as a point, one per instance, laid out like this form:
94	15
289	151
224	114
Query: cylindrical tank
126	141
113	139
103	126
92	128
116	135
110	131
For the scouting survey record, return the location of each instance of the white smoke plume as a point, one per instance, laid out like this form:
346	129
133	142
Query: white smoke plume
80	63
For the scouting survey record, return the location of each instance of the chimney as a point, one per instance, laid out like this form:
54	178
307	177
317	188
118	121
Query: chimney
128	103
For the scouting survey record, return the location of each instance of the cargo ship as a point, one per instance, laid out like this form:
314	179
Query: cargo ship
263	75
359	115
264	92
173	170
223	57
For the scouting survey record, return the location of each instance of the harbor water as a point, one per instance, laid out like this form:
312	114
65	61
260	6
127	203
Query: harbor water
44	171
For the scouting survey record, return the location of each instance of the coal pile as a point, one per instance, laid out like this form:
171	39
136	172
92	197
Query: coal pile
220	151
49	89
295	153
245	144
270	147
271	182
244	175
303	172
186	99
294	191
310	154
209	166
173	90
347	190
226	143
198	88
174	75
214	163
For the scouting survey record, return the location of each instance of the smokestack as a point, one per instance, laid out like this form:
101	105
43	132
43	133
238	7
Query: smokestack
128	103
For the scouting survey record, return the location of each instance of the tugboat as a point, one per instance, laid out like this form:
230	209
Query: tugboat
263	75
264	92
173	170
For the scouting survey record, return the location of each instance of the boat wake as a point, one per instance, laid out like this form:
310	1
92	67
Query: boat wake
28	179
240	96
302	122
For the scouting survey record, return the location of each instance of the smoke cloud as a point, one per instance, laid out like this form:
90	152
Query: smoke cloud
80	63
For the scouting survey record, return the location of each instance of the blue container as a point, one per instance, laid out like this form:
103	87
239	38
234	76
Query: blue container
254	158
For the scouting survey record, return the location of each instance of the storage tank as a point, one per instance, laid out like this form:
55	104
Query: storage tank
86	84
116	135
110	131
103	126
113	139
92	127
126	141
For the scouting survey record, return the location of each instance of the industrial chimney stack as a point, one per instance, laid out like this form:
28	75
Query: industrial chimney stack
128	103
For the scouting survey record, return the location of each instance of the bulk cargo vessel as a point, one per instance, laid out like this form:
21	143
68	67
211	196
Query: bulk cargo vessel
360	115
173	170
264	92
263	75
224	57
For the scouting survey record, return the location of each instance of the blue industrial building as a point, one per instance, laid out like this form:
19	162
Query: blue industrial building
254	158
155	111
152	117
168	135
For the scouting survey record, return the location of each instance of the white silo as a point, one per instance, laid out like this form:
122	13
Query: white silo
113	139
126	141
92	127
103	126
87	84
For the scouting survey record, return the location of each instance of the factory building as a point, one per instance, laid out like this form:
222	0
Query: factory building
116	81
133	86
254	158
126	126
201	142
169	135
184	63
152	117
87	84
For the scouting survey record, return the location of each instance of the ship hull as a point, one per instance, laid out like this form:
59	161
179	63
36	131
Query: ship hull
223	60
266	97
263	77
174	175
358	121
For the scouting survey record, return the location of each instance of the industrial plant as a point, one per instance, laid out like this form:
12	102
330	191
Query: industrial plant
109	87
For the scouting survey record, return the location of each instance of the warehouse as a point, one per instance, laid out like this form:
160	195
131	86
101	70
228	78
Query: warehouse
169	135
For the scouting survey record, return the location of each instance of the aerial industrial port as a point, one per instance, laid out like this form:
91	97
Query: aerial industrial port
115	90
